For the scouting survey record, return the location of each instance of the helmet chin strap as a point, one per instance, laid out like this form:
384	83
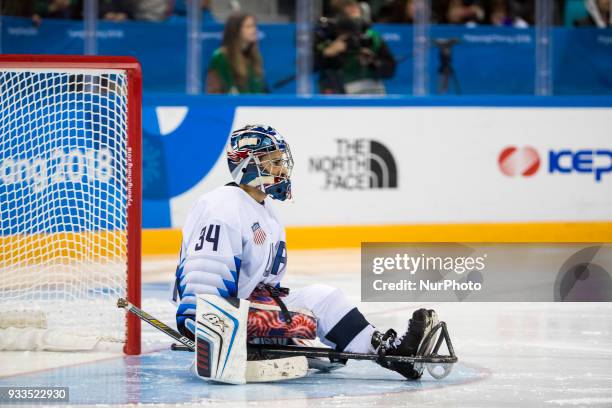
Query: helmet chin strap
259	175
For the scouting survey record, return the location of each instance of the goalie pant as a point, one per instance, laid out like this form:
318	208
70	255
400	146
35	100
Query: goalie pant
339	323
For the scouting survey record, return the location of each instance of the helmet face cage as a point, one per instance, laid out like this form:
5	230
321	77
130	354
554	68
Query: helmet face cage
278	166
253	160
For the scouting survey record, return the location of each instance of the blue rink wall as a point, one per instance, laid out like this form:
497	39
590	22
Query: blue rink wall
440	149
488	60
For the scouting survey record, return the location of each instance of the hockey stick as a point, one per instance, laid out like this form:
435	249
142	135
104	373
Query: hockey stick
187	343
278	351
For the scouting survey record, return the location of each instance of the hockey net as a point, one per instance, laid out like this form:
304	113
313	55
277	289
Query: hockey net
70	195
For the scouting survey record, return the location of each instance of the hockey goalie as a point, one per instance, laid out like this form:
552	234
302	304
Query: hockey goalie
232	262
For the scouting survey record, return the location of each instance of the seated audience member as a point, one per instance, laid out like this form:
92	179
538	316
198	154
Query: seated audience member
151	10
396	11
180	10
16	8
598	14
115	10
402	11
39	9
66	9
507	13
468	12
237	67
351	57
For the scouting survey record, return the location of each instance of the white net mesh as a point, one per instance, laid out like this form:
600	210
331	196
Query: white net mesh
63	194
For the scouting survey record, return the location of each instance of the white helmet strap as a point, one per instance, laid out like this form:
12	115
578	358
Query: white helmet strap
237	174
260	177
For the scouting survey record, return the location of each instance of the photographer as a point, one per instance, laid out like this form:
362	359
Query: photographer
351	57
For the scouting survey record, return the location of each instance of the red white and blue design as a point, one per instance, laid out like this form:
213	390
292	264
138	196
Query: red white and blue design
249	163
259	235
266	320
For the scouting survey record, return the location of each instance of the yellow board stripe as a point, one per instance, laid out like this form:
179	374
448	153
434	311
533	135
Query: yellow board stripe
167	241
63	247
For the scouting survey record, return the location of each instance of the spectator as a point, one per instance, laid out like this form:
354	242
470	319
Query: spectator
151	10
468	12
331	8
66	9
115	10
237	67
524	10
506	13
38	9
599	14
180	9
397	11
351	57
17	8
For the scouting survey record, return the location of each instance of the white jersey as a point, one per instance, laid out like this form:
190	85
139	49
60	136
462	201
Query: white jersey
230	244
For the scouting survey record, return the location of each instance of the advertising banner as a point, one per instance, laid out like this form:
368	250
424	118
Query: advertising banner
412	165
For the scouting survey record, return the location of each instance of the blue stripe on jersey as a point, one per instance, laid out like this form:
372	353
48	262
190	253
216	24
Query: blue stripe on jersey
232	288
347	328
184	308
180	322
236	274
179	268
177	287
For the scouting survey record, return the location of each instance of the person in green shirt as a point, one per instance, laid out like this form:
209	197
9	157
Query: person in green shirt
237	67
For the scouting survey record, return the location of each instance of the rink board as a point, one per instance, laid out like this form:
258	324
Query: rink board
472	169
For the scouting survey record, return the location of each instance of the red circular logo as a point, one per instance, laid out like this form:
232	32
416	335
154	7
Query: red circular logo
514	161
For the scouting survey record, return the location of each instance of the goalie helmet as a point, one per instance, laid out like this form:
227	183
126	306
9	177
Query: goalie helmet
259	156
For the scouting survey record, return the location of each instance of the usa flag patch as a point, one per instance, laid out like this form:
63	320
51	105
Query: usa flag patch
259	235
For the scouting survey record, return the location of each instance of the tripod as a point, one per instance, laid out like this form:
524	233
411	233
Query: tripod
446	71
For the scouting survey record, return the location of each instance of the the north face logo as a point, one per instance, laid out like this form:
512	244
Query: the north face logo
358	164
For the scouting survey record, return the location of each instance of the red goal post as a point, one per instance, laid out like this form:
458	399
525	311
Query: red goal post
102	100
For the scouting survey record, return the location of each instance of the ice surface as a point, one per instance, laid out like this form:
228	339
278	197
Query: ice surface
511	354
